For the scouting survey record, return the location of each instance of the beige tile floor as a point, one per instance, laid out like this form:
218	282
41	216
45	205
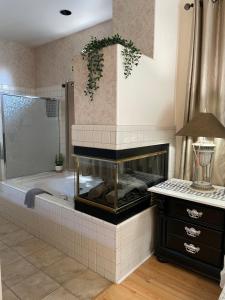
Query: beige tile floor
33	270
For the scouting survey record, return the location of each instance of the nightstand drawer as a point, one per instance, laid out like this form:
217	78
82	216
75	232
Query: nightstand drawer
196	213
195	233
195	250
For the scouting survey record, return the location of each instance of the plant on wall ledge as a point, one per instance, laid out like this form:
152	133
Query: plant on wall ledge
92	52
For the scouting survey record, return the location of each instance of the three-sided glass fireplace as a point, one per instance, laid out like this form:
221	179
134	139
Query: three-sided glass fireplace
114	187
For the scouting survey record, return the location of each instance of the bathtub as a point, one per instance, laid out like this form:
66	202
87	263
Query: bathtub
60	185
113	251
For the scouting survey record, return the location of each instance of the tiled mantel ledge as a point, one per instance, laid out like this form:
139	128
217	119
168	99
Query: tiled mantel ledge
120	136
113	251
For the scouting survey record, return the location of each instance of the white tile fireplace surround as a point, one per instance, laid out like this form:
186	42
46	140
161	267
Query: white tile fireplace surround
121	136
113	251
124	137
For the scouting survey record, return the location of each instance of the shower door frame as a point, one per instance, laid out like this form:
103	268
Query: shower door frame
2	141
3	160
69	121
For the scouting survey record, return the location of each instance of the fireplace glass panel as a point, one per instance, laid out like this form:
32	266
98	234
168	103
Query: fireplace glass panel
136	176
117	184
96	179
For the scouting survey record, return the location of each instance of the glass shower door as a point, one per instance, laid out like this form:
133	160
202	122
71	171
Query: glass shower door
30	135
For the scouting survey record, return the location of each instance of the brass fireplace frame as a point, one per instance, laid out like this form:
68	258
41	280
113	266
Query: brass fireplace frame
116	162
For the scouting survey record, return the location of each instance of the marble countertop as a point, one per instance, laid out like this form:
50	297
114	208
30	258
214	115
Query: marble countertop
181	189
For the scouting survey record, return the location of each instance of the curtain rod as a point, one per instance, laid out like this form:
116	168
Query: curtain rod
187	6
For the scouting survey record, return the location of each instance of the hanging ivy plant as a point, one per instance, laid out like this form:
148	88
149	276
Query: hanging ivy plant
93	53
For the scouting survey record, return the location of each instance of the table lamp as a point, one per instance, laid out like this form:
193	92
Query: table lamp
203	126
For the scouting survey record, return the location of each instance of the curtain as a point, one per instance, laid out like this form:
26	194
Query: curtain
206	81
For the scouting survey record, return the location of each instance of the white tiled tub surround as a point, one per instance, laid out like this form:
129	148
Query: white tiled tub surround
16	90
55	91
135	242
113	251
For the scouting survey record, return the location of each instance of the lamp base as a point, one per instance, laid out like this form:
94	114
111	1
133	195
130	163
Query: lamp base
202	186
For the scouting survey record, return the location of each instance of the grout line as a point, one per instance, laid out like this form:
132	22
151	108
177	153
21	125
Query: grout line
62	285
8	288
31	252
37	235
14	294
42	269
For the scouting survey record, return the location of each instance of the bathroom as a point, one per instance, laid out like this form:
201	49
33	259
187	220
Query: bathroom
78	154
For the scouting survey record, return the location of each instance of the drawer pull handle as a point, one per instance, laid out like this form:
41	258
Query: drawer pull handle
191	248
192	232
194	214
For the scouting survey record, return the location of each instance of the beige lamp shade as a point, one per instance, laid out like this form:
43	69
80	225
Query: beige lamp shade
203	125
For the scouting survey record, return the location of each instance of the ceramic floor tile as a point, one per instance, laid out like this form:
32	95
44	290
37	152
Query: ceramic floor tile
8	256
7	228
13	238
8	295
3	221
16	272
87	285
45	257
30	246
35	287
2	245
4	287
60	294
64	270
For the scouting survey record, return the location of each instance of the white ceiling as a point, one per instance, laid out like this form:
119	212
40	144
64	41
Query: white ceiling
35	22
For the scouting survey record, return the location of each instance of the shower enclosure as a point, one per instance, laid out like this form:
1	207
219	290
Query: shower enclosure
30	135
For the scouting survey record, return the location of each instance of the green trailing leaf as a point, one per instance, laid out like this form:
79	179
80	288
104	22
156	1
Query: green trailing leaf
59	159
93	53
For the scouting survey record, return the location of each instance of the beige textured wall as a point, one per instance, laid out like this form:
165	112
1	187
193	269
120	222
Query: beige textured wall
121	101
17	65
134	19
102	110
155	84
54	60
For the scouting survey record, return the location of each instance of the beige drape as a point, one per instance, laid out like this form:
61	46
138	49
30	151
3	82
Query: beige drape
206	82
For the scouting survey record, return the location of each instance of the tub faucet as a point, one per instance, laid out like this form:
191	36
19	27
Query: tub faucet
65	197
62	196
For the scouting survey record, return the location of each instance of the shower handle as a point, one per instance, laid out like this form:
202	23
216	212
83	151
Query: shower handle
2	149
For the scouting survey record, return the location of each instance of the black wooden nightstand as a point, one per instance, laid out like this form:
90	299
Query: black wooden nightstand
190	227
